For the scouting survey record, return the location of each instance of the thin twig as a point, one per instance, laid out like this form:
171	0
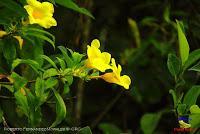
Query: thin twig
106	110
6	97
6	125
79	101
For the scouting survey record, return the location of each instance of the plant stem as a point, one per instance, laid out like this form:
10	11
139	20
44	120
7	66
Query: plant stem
79	101
6	125
106	110
6	97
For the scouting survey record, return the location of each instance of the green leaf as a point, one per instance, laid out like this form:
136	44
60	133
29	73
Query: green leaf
9	87
35	115
166	14
67	59
149	122
108	128
66	89
49	60
69	79
172	92
50	73
41	36
19	82
33	64
193	57
22	102
39	86
183	44
195	120
194	109
181	109
195	67
135	31
173	64
9	50
60	109
191	96
12	5
36	47
62	63
40	31
71	5
85	130
50	83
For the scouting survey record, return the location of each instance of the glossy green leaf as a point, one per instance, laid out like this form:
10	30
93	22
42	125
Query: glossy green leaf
50	83
22	102
181	109
191	96
33	64
35	115
9	50
194	109
67	59
108	128
149	122
173	64
66	88
50	73
183	44
39	86
195	67
193	57
41	36
49	60
40	31
172	92
195	120
19	82
62	63
60	109
71	5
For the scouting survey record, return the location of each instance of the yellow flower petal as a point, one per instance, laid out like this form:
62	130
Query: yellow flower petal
95	43
3	33
115	76
40	13
20	40
97	59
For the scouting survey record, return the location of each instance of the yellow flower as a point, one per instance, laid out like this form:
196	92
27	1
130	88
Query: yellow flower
3	33
40	13
97	59
115	76
20	40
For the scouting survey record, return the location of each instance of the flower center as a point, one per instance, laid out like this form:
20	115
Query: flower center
37	14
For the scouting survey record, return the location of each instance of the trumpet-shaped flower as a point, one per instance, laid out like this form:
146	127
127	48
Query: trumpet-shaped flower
97	59
40	13
115	76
